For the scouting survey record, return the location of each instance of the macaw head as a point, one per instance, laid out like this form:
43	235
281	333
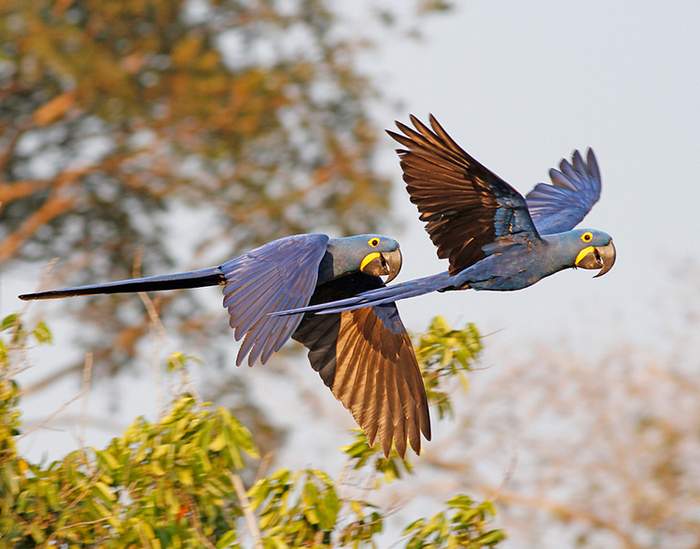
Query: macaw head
594	250
373	254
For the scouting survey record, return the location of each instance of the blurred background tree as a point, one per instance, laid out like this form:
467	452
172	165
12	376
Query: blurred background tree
123	125
587	447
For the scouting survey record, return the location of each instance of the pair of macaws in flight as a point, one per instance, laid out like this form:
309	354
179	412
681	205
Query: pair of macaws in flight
329	295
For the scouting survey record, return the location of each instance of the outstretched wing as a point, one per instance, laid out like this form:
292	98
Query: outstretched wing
561	205
465	205
367	360
279	275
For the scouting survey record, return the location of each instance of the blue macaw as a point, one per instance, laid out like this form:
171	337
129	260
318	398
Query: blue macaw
364	357
494	238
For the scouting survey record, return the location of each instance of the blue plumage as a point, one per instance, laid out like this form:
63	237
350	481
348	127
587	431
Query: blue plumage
574	190
365	358
279	275
494	238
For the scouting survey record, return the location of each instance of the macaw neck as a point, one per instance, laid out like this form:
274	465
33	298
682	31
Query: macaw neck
336	262
562	249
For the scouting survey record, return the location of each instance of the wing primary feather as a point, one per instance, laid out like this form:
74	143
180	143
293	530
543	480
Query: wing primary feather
280	274
457	197
345	349
574	189
439	130
369	365
386	429
593	164
358	387
269	341
379	404
244	321
367	359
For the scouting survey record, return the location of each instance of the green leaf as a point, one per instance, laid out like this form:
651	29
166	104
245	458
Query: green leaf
185	476
10	321
104	491
176	361
108	460
328	509
42	334
491	538
227	540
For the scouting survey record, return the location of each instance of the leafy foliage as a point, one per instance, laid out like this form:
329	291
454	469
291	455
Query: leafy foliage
157	484
178	482
446	354
464	524
361	454
304	509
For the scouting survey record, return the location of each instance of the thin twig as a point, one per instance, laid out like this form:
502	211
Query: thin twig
157	325
87	384
87	367
247	510
562	511
264	465
67	420
194	514
84	523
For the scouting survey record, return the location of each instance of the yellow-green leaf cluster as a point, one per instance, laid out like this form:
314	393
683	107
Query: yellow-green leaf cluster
303	509
362	454
465	524
162	484
445	354
179	482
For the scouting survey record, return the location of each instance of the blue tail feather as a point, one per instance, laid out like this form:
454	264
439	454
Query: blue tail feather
379	296
211	276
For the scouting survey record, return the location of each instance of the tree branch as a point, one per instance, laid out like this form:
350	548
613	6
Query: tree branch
20	189
247	511
51	378
560	510
54	206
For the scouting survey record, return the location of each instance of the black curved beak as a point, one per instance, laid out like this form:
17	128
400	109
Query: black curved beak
599	257
384	264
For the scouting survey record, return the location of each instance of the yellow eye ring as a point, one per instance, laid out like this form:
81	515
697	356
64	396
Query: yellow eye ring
587	236
373	242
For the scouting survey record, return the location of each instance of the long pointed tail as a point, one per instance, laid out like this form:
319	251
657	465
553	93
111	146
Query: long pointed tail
211	276
379	296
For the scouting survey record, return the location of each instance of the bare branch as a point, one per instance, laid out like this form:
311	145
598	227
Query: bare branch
561	511
247	510
54	206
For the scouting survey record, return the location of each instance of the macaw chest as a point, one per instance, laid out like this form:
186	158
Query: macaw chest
506	283
503	272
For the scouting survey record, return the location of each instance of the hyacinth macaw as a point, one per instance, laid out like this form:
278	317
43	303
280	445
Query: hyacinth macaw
494	238
364	357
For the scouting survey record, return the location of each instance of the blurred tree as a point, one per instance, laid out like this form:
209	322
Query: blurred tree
123	121
589	446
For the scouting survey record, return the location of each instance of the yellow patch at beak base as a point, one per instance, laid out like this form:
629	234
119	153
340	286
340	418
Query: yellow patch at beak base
583	253
368	259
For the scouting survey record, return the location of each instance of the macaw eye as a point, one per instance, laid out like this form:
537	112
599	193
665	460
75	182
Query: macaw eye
587	237
374	242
